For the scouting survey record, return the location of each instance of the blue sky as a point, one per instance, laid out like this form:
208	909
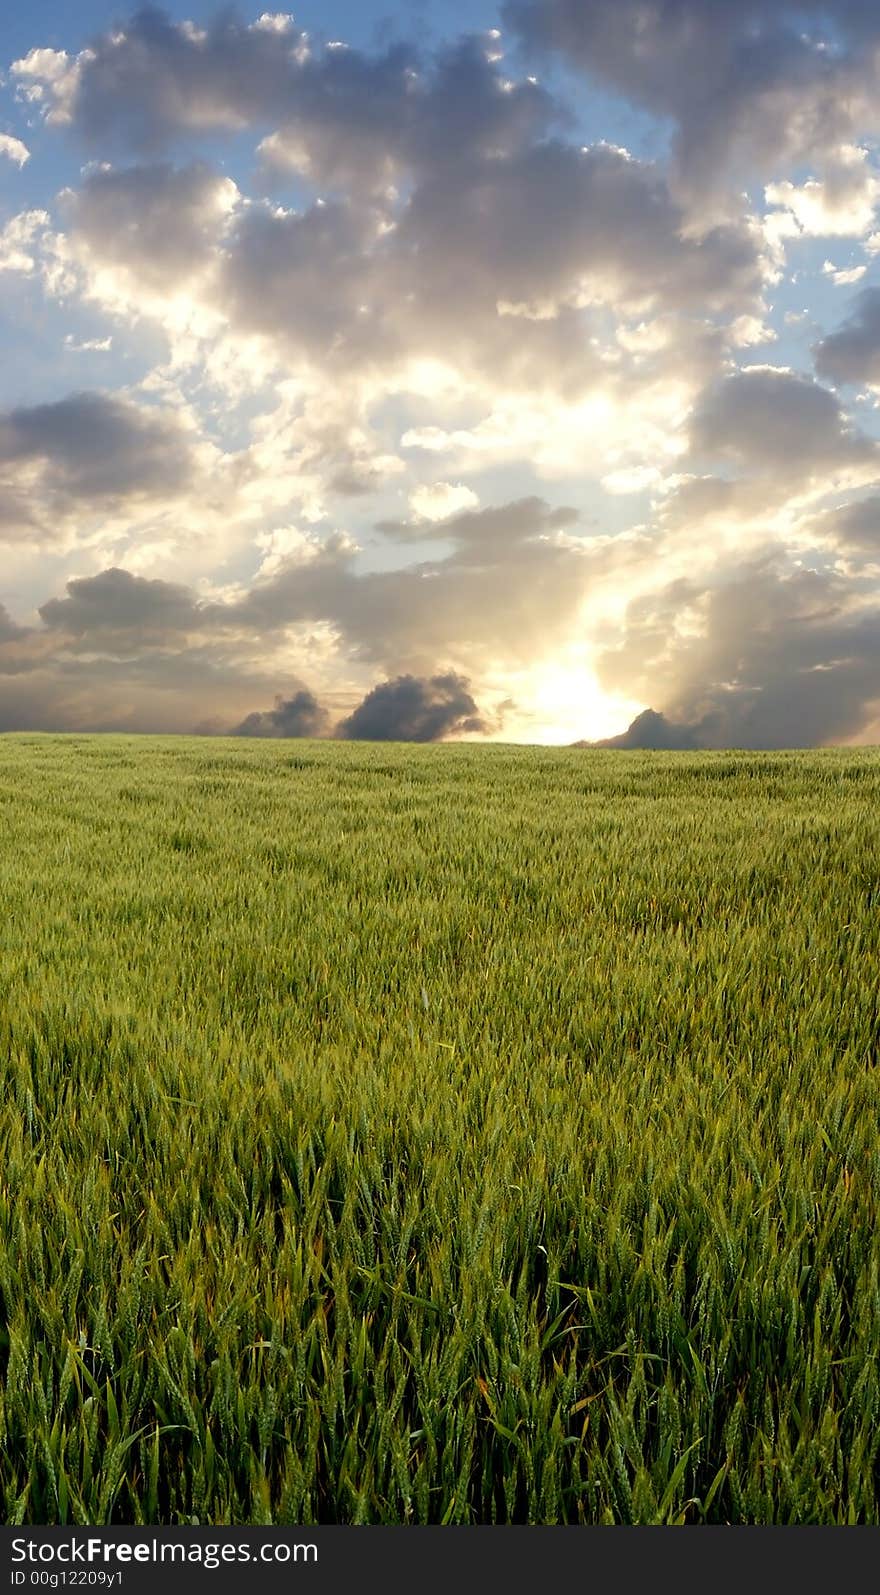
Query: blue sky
518	366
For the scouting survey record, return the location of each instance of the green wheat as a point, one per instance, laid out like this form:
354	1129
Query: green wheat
450	1134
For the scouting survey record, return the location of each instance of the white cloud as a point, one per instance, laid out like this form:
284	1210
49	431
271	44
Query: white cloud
20	241
14	149
747	331
841	203
56	75
435	501
843	276
88	345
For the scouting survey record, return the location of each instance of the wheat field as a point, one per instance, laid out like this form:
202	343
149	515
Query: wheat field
450	1134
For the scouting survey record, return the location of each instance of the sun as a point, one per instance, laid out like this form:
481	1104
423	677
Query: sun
561	701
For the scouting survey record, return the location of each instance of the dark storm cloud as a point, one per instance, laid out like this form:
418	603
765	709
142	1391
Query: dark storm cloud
299	716
86	449
412	709
852	354
745	83
781	657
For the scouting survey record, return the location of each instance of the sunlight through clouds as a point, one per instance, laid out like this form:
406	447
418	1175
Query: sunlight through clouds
418	362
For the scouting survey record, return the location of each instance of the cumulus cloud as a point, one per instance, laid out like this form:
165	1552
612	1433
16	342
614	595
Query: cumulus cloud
20	241
88	454
778	422
299	716
338	115
852	353
8	628
747	86
14	149
841	203
95	445
512	573
116	604
512	570
450	264
412	709
768	656
651	731
437	501
415	264
139	82
852	528
156	225
461	274
360	364
843	276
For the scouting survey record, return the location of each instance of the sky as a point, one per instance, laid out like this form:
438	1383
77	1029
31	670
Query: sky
442	370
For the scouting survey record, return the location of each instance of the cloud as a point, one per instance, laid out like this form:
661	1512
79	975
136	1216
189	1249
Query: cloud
852	528
133	610
9	631
14	149
299	716
843	276
437	501
412	709
413	270
120	651
778	422
441	254
87	453
767	656
422	287
154	226
653	731
746	86
852	354
142	81
338	116
841	203
121	648
513	575
460	273
20	241
48	78
88	345
511	572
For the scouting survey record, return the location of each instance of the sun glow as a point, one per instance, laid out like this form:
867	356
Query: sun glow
562	701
